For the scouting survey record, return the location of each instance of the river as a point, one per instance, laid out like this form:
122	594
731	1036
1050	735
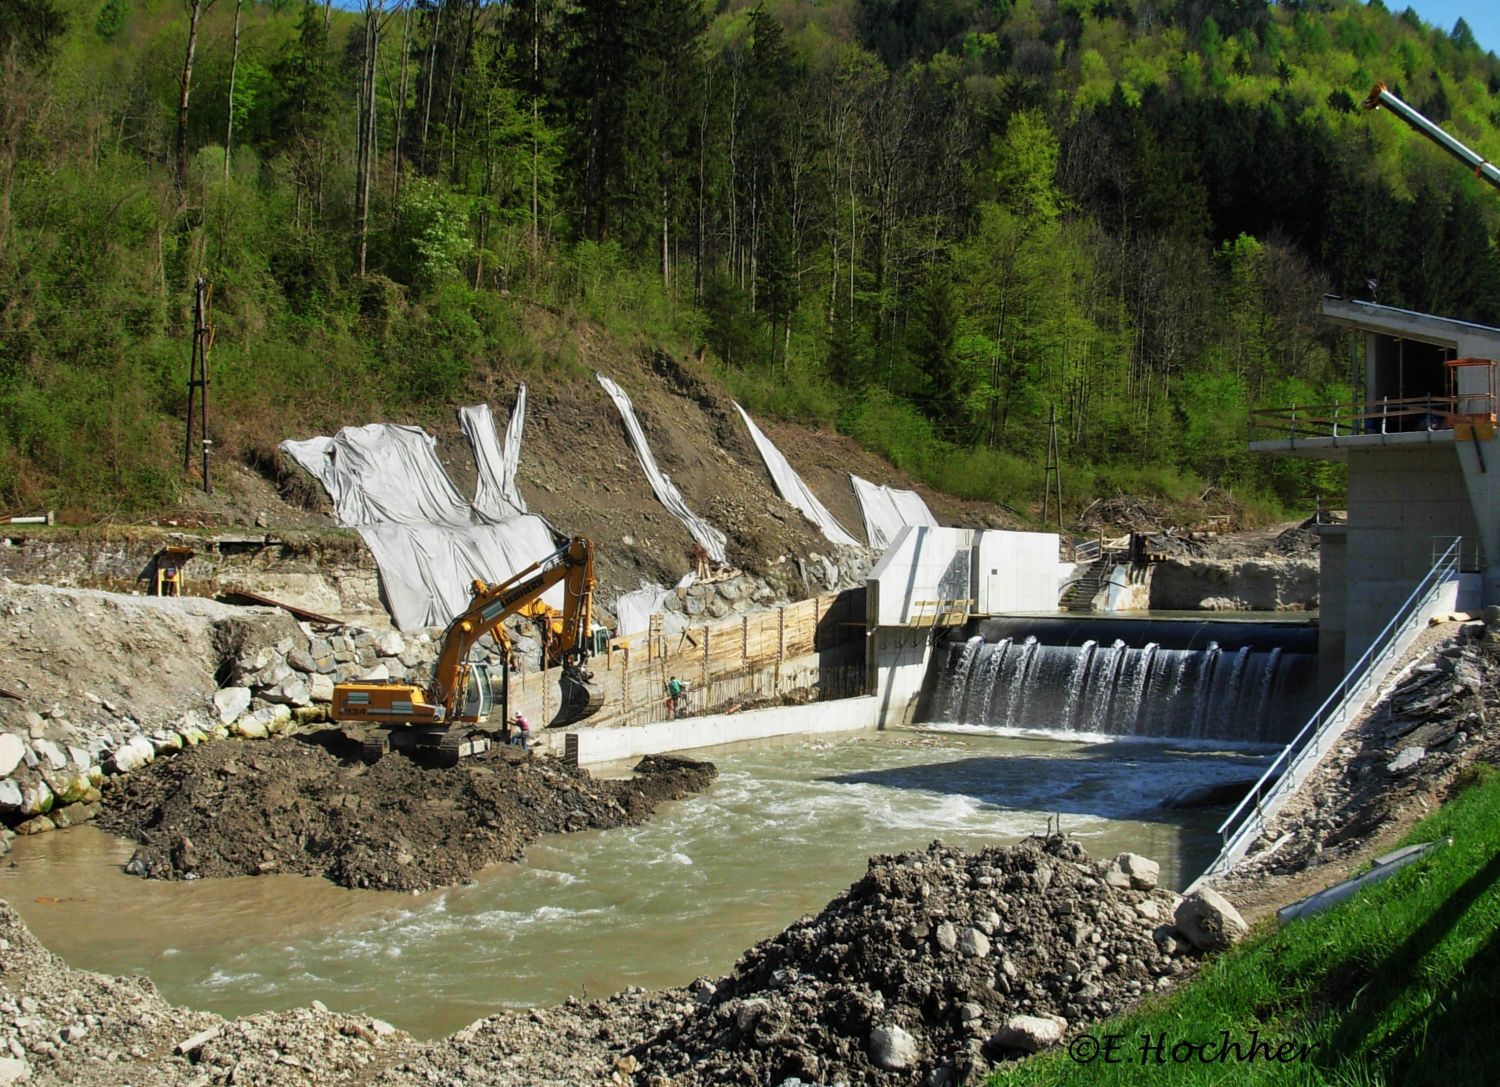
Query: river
786	827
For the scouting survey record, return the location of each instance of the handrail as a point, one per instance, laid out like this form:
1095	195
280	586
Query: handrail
1088	551
1285	765
1391	413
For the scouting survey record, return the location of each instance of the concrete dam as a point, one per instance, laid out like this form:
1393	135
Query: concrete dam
1203	680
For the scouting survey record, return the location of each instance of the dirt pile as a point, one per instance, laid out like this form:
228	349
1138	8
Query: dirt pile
908	976
292	805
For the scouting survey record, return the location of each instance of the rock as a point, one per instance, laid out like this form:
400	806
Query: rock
37	824
320	688
250	727
302	660
131	755
13	1070
230	702
68	786
946	936
36	799
1492	617
277	672
379	674
49	753
292	691
892	1048
1406	758
79	758
10	795
195	1042
974	943
390	644
1141	872
1149	910
12	751
164	743
1029	1033
1208	921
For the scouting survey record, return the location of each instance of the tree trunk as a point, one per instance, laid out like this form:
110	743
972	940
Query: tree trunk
536	80
195	11
400	117
234	63
365	153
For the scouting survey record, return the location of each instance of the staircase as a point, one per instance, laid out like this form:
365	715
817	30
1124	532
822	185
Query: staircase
1079	594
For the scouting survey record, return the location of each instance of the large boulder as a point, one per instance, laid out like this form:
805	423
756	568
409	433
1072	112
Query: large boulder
230	702
131	755
892	1048
1029	1033
1208	920
1134	871
10	795
12	751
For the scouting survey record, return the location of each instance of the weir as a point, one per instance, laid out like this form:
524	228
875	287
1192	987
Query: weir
1240	682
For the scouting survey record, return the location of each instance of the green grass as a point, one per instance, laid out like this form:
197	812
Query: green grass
1399	986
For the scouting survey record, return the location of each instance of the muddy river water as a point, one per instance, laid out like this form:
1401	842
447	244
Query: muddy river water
785	828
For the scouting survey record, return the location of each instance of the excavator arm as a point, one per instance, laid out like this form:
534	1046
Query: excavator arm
459	693
572	565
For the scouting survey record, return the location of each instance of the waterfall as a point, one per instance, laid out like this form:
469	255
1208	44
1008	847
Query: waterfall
1123	690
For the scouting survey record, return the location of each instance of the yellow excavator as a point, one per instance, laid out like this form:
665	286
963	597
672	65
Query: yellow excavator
449	716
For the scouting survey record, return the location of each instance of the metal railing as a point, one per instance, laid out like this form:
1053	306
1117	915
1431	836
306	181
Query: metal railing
1391	415
1089	550
1290	768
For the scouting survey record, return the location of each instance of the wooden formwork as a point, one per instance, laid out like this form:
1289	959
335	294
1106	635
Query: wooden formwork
747	656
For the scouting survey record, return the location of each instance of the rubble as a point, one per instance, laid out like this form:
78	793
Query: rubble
931	966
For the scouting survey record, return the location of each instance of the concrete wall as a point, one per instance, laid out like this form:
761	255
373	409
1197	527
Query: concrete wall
592	746
1015	572
1333	604
917	575
898	660
1399	500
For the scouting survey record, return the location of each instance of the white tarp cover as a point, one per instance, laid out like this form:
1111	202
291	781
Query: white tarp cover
790	486
495	496
888	510
633	610
386	481
666	491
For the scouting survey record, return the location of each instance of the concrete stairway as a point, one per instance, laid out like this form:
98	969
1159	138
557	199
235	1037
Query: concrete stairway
1079	595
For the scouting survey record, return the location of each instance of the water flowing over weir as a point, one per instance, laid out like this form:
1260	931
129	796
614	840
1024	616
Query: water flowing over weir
1118	680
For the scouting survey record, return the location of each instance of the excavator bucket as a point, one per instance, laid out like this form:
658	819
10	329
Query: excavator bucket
579	698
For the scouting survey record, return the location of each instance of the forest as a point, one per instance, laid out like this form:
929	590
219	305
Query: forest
934	224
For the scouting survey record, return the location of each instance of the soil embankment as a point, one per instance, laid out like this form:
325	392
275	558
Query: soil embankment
292	805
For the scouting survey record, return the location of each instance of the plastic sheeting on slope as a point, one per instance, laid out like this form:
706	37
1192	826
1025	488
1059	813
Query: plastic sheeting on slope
426	570
386	481
888	510
382	473
791	487
666	491
633	610
495	496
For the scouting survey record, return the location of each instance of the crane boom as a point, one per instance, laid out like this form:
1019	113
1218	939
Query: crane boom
1482	167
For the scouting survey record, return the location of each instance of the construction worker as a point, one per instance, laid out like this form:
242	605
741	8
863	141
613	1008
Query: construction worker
520	734
675	687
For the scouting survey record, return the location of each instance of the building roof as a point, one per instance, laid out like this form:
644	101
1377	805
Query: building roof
1405	323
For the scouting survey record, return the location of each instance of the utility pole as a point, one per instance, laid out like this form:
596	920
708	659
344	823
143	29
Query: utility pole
1052	472
203	337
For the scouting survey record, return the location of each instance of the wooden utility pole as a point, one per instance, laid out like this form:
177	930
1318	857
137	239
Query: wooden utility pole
203	337
1052	472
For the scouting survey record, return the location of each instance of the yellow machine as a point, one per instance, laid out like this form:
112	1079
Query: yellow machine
450	714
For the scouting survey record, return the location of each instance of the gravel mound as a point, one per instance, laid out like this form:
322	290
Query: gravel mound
291	805
908	977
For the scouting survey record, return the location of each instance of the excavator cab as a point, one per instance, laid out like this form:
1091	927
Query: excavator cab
478	696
